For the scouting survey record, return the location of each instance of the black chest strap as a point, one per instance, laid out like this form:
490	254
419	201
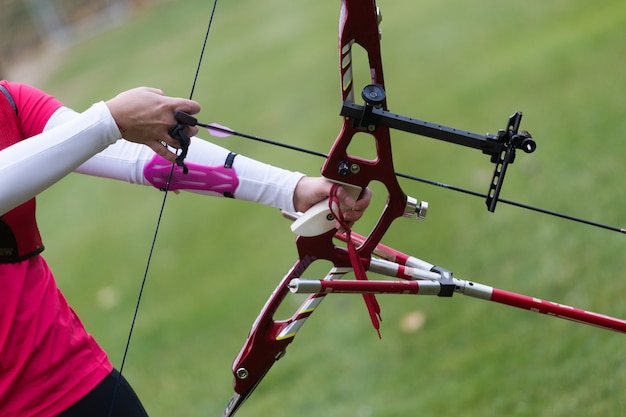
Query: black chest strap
8	96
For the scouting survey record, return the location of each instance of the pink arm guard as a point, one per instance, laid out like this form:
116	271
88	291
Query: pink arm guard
218	179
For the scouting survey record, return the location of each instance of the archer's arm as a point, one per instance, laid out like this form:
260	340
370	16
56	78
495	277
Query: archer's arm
213	171
32	165
38	160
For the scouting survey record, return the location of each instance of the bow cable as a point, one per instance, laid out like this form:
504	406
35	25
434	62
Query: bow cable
184	144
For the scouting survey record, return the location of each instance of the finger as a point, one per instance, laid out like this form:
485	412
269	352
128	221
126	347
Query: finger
191	130
340	226
188	106
364	200
162	151
352	216
170	141
152	90
344	196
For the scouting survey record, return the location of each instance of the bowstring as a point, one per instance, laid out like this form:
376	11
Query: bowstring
206	37
158	224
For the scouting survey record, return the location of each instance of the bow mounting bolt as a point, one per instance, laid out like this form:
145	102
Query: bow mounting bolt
242	373
343	169
412	208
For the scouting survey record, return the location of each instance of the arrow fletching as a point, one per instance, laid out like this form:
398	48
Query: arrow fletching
218	130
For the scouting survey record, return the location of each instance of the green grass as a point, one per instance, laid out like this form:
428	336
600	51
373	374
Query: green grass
271	69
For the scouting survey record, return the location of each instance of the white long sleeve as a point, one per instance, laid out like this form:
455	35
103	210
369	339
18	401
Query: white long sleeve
34	164
125	161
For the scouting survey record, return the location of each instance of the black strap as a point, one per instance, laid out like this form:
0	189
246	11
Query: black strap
8	96
229	160
229	164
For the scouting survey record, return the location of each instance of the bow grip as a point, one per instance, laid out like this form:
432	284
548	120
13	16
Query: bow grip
319	219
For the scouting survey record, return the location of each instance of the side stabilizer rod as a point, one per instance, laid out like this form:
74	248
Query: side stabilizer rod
467	288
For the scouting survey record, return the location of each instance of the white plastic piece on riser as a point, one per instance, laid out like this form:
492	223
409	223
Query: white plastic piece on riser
318	219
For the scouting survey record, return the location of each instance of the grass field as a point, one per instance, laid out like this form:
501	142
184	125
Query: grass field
271	69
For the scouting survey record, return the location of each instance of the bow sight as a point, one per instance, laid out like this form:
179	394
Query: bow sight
500	147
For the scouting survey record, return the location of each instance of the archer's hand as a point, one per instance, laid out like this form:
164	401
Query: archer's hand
311	190
144	115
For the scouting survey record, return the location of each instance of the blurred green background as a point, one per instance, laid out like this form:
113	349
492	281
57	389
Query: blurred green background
271	69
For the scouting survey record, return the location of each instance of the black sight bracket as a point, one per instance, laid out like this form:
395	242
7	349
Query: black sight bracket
500	147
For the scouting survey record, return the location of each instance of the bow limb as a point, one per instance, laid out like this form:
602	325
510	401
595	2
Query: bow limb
268	339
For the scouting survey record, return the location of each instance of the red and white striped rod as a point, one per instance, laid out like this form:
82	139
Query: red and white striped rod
316	286
468	288
422	280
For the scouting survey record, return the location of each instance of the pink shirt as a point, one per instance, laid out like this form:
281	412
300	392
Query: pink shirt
48	361
34	107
